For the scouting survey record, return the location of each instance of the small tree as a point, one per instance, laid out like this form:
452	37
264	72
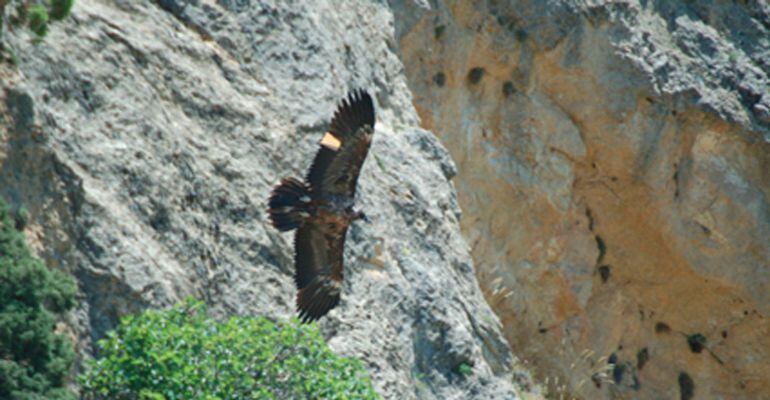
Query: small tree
181	353
34	359
35	14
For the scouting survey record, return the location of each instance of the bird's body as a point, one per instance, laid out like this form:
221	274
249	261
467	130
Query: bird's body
321	208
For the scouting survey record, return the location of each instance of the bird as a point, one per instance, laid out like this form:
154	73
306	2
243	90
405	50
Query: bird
321	208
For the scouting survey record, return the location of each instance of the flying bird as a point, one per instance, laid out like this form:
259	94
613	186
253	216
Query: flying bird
321	207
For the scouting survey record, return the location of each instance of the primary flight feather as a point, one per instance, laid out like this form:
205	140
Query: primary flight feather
321	207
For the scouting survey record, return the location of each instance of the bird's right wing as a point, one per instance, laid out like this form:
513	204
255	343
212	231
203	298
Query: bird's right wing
318	258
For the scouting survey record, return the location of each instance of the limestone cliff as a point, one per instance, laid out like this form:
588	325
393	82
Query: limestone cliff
614	174
143	138
612	162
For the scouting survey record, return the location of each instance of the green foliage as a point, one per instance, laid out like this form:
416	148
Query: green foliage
36	14
37	17
60	9
22	218
182	353
34	360
12	57
464	369
380	164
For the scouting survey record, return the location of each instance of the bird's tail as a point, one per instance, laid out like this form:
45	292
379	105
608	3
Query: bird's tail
288	205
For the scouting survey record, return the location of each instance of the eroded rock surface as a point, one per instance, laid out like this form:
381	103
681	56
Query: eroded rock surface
614	174
144	137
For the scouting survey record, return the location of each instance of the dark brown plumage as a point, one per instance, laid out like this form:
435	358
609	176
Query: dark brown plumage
321	207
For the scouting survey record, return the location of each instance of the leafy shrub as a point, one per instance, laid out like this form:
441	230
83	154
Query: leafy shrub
60	9
35	13
464	369
181	353
22	218
34	360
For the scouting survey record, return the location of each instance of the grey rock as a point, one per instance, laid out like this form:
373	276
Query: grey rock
144	138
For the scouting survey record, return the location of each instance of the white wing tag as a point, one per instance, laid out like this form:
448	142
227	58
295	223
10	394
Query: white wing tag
330	142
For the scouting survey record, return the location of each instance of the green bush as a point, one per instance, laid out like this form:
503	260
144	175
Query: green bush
22	218
182	353
60	9
34	360
37	14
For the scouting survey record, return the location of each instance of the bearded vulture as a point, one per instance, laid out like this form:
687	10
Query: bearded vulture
321	207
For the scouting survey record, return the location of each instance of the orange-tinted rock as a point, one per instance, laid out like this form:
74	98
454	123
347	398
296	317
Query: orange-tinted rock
613	183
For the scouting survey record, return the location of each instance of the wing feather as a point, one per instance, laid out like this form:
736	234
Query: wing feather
318	259
336	170
319	246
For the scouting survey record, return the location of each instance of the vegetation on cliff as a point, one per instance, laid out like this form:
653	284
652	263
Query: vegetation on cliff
34	358
182	353
34	14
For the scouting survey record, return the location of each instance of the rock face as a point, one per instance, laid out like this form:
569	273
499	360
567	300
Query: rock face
144	137
614	174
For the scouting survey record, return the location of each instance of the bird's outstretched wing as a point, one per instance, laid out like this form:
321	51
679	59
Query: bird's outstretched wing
319	242
343	149
318	256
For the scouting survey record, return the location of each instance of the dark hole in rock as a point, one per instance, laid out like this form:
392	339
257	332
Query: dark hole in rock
508	89
662	327
696	342
438	32
705	229
641	358
604	273
475	75
439	79
160	220
590	219
602	248
686	386
617	373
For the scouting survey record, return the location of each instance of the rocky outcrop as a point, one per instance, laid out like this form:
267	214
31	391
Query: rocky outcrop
144	137
613	164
